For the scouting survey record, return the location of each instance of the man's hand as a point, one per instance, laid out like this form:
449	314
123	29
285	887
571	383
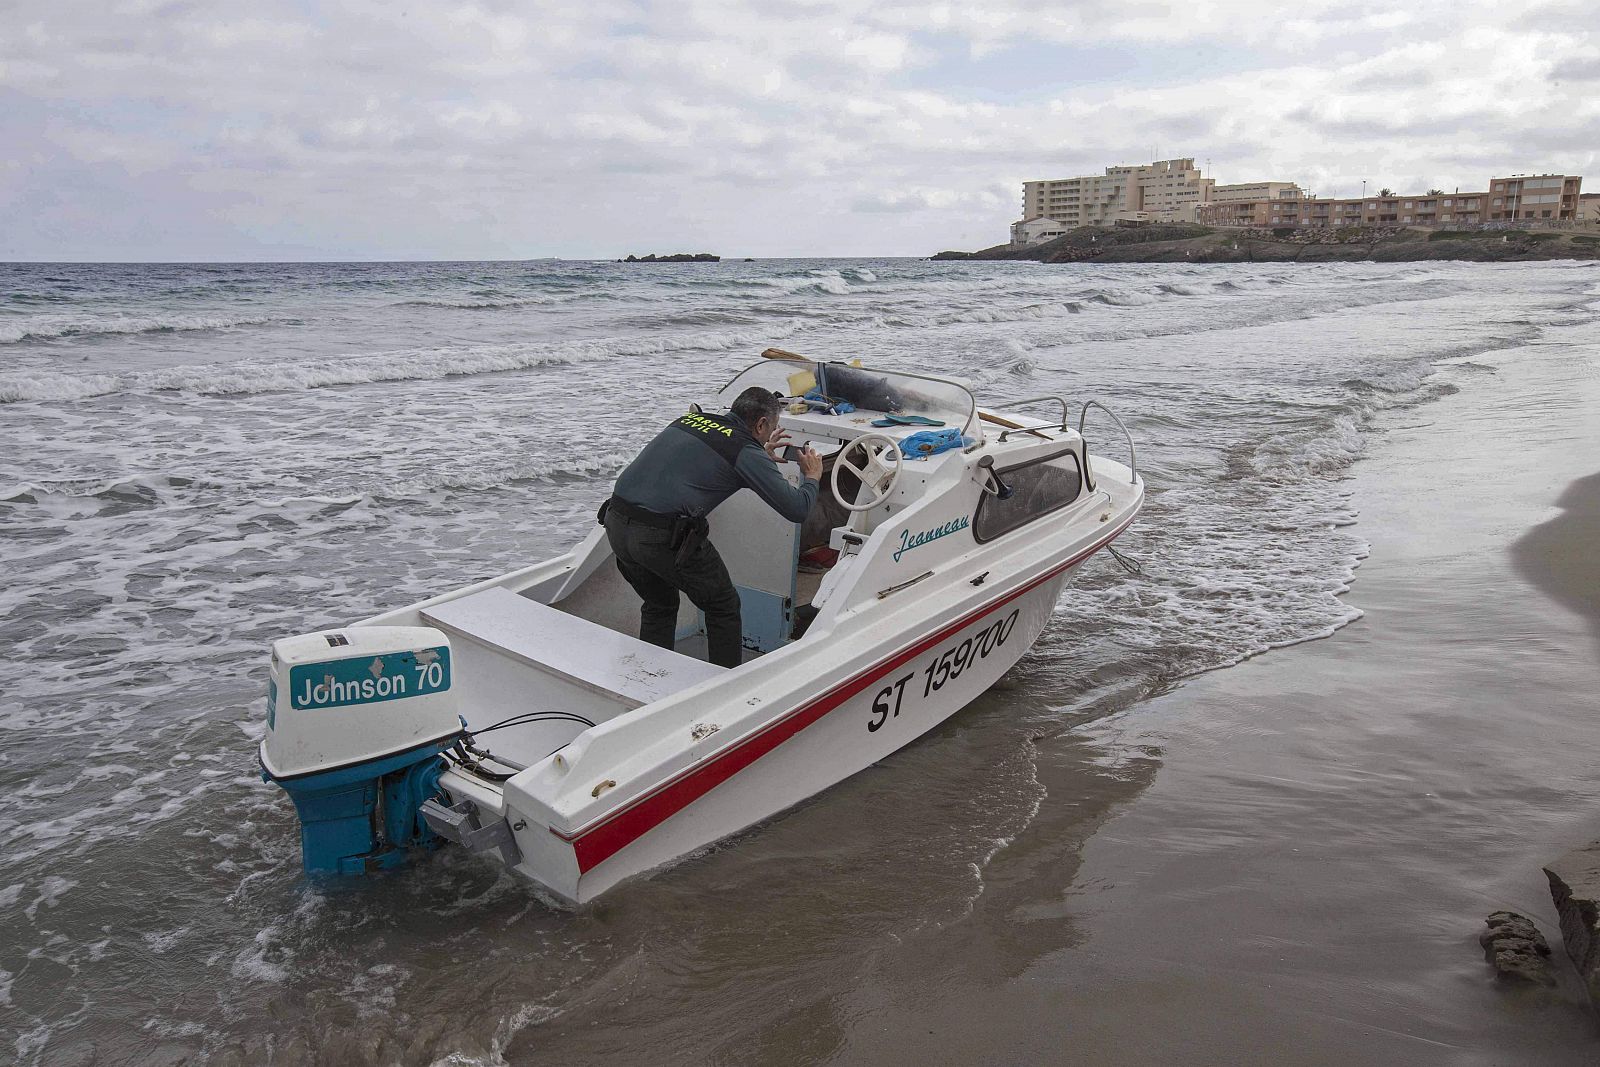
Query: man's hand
810	464
775	443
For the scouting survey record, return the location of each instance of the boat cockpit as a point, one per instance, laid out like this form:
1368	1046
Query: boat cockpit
560	638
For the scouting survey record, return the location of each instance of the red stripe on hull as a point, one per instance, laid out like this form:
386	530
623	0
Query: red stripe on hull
604	840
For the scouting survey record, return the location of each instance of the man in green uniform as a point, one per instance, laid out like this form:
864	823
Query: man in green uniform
655	519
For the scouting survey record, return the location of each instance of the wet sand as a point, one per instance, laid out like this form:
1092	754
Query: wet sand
1327	825
1284	862
1562	556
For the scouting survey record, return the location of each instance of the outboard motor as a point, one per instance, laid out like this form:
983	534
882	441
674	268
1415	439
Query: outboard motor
356	722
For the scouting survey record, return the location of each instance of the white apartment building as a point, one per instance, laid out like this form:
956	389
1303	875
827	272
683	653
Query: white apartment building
1171	190
1167	190
1037	231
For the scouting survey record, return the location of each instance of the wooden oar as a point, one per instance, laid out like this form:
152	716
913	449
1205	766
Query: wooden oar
791	357
1000	420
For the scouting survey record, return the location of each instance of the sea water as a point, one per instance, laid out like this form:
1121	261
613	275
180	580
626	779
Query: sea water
197	459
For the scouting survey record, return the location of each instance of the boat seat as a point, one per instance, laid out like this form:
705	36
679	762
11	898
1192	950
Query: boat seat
585	653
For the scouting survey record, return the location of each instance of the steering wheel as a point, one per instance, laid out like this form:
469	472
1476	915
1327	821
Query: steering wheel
878	469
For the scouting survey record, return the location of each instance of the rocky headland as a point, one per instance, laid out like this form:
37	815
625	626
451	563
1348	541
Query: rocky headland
676	257
1177	243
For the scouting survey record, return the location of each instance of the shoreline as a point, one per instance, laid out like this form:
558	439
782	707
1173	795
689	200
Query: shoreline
1560	556
1322	829
1188	243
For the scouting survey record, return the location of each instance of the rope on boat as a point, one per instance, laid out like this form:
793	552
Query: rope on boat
1129	564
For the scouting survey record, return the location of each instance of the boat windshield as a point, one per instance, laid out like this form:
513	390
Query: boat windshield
868	388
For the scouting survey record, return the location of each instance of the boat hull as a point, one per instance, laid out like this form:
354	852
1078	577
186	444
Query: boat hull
858	721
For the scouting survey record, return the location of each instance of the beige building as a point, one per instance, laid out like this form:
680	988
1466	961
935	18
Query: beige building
1589	209
1172	190
1256	191
1534	196
1166	190
1457	209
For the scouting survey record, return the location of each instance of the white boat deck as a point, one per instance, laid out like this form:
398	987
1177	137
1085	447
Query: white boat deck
611	664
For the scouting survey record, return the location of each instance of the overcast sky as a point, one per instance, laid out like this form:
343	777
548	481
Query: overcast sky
293	129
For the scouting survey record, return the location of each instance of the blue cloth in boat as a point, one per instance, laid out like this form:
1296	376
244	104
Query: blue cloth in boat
932	442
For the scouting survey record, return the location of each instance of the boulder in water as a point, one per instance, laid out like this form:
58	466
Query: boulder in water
1517	950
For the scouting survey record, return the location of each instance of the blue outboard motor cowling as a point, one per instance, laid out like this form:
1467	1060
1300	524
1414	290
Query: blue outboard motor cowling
356	722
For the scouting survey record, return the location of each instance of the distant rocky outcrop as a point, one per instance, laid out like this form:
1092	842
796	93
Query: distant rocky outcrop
1182	243
677	257
1575	888
1516	949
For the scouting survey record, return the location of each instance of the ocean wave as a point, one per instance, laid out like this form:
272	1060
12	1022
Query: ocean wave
1111	297
507	302
250	376
1329	449
556	471
1332	444
480	305
1405	378
119	495
47	385
16	333
821	281
697	318
1013	314
1123	298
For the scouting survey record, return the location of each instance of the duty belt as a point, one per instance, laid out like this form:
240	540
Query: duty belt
641	516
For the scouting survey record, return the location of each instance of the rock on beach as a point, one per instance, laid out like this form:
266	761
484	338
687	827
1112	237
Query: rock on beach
1516	949
1575	887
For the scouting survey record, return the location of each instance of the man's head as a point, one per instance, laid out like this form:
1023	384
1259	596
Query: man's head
758	409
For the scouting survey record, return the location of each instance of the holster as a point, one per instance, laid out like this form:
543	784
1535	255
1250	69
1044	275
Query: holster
687	534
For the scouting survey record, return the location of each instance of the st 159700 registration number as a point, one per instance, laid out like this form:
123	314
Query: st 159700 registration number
941	670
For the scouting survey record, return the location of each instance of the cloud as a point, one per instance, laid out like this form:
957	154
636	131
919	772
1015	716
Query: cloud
561	128
1577	68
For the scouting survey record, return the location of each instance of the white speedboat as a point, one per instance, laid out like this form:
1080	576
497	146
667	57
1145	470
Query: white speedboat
523	719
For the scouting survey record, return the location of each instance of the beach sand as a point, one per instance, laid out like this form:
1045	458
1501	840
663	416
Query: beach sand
1562	556
1321	830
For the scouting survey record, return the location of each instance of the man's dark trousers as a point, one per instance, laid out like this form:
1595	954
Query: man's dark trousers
648	561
